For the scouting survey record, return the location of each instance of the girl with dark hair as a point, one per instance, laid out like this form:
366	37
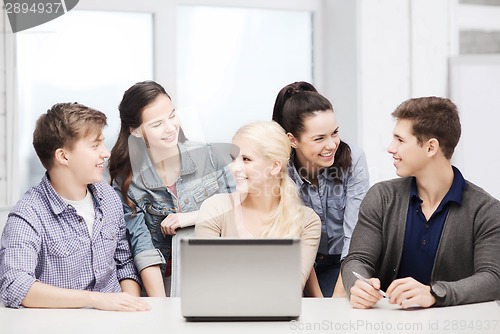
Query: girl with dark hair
332	176
162	178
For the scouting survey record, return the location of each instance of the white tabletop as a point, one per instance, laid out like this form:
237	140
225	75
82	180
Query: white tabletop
318	316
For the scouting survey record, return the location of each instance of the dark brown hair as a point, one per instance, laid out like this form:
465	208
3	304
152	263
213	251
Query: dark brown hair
433	117
134	100
296	102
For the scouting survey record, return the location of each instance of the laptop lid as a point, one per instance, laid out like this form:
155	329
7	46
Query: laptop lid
233	279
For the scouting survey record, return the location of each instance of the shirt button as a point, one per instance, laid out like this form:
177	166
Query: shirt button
186	201
426	225
424	242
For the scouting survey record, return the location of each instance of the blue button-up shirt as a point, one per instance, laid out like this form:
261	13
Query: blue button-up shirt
45	240
336	201
421	235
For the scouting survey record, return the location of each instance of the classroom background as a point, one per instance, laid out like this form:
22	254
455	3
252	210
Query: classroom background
224	61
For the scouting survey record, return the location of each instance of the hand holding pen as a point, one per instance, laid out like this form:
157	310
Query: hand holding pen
364	294
367	281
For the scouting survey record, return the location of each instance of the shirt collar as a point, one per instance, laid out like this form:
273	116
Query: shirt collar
148	173
454	194
294	174
187	164
57	203
297	178
457	188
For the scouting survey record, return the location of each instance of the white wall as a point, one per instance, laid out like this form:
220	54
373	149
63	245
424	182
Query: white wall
341	66
3	127
475	88
3	218
382	52
384	77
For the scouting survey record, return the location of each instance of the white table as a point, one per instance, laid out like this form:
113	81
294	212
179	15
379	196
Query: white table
318	316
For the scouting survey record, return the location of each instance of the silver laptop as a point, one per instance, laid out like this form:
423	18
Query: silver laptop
240	279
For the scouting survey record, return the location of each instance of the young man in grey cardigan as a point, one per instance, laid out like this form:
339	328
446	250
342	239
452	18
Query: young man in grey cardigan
429	238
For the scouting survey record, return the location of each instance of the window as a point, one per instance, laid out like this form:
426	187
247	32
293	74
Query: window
233	61
479	27
481	2
71	60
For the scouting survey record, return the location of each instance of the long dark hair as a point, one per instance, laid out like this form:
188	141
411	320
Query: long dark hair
299	100
134	100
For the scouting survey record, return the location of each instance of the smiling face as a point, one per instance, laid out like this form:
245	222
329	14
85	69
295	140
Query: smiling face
315	148
86	158
251	171
160	125
410	157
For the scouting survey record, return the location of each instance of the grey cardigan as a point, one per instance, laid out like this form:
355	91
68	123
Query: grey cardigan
467	261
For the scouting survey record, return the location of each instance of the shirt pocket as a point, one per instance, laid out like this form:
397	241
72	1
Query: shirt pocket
335	216
66	258
109	241
156	206
64	248
205	188
336	203
157	212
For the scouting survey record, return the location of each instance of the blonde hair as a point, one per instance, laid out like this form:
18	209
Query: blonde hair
271	142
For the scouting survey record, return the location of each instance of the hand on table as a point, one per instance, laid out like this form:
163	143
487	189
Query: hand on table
118	302
408	292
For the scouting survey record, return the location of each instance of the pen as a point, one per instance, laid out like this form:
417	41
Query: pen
367	281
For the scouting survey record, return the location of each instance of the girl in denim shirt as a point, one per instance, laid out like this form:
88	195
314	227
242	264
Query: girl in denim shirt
162	178
332	176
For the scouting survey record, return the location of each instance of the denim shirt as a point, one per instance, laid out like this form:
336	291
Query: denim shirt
203	173
335	201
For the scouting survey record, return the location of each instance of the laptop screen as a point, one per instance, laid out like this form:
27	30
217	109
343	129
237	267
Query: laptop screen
240	278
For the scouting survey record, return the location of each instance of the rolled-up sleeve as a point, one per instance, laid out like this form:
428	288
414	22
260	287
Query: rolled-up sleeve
124	262
20	245
141	243
143	249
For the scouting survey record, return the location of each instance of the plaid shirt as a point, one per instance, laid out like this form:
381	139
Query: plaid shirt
45	240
